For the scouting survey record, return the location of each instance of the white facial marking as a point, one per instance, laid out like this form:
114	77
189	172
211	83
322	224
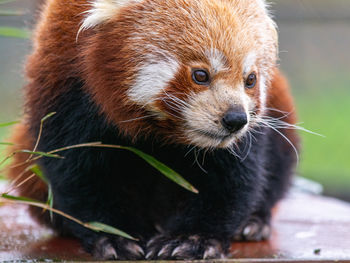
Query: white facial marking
249	62
217	60
153	76
263	92
101	11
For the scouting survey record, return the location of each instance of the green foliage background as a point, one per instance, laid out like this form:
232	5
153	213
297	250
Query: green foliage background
327	159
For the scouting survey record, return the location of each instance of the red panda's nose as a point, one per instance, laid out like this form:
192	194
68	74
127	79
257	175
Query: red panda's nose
234	119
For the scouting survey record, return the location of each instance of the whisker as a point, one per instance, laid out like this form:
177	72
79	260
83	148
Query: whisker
189	151
139	118
232	151
172	105
204	153
178	117
278	110
284	137
279	124
256	131
197	162
176	100
249	148
285	125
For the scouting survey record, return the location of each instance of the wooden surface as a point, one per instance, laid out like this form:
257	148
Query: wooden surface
306	228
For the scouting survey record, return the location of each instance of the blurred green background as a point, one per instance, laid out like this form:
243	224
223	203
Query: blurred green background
314	54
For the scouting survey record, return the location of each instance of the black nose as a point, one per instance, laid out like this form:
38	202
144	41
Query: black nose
234	119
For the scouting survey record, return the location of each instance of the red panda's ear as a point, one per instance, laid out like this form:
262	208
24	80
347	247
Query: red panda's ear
100	11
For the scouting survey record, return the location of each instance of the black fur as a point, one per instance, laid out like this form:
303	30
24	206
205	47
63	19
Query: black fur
118	188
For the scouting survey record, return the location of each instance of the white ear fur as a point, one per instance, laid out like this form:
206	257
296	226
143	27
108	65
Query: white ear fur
101	11
262	4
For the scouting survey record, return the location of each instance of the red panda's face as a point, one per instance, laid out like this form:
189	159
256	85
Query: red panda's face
195	72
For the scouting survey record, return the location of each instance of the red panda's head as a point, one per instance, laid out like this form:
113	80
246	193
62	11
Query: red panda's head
194	72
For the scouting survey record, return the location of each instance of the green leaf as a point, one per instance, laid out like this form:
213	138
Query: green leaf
37	171
10	13
165	170
50	201
14	32
19	198
5	124
100	227
42	154
6	143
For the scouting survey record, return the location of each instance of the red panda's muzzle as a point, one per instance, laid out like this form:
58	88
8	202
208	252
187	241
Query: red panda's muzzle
234	119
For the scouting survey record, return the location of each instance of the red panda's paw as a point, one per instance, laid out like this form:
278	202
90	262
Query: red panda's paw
184	247
117	249
256	229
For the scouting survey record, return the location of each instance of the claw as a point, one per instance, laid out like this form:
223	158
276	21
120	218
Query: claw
254	230
135	249
266	232
104	250
184	247
164	250
180	249
150	255
151	241
110	252
210	252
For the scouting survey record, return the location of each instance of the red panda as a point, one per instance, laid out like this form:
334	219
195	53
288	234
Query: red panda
193	83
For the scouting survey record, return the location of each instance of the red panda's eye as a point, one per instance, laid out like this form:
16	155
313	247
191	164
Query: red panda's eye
200	76
251	81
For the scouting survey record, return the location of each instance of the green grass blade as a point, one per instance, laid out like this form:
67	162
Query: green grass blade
165	170
13	32
38	172
6	143
5	124
18	198
100	227
41	154
50	201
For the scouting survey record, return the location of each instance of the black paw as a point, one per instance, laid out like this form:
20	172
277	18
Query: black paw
254	230
117	249
184	247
